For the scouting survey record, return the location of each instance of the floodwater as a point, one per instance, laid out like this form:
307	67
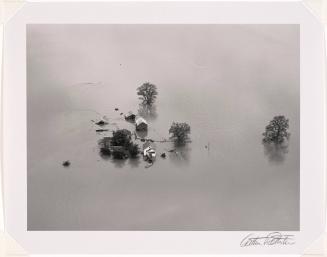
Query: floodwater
226	81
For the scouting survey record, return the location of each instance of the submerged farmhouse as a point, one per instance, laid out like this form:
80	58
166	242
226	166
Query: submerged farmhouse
130	116
141	124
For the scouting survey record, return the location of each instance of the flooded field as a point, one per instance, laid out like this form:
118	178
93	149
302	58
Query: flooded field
226	81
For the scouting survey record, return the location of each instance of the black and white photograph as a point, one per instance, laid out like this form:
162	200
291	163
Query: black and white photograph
163	127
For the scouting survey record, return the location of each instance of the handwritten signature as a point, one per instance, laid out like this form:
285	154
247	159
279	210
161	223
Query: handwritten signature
273	238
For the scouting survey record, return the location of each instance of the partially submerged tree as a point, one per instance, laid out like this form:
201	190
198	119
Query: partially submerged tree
119	153
180	132
277	130
149	112
148	93
121	137
119	146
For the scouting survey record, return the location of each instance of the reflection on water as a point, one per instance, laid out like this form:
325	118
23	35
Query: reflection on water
134	162
225	92
276	153
180	155
149	112
104	156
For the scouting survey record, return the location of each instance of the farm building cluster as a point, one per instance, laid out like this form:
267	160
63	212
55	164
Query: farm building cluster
121	145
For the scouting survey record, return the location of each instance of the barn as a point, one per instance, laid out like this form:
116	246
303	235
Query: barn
141	124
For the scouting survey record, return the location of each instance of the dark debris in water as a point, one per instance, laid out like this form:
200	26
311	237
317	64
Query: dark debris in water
101	123
101	130
66	163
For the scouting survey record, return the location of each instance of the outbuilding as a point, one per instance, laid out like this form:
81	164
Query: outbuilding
130	116
141	124
149	152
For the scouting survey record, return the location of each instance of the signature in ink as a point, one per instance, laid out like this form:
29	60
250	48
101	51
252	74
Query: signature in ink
273	238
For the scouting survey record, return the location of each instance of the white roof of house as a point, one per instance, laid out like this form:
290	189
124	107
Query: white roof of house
140	120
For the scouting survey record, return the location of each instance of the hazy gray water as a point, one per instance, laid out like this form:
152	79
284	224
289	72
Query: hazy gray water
226	81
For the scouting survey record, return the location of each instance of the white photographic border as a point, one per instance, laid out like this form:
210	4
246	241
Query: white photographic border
312	152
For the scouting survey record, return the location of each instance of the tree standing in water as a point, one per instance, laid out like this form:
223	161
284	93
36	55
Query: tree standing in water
133	150
277	130
180	132
148	93
121	137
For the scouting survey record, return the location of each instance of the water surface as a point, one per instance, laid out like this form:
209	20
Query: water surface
226	81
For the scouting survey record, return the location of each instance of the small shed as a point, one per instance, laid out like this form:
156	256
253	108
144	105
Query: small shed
130	116
141	124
